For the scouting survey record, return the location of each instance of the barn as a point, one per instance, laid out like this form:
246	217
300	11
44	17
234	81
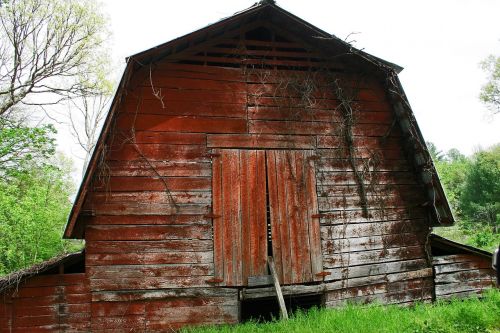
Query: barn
256	160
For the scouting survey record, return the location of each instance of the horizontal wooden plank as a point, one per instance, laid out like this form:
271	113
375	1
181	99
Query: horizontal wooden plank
305	113
54	299
148	208
458	258
373	257
363	153
152	184
132	271
197	71
315	128
171	138
163	82
66	309
462	294
149	282
161	294
104	309
374	190
407	297
149	220
156	197
372	229
176	245
346	273
169	257
55	280
462	266
27	291
260	141
33	323
260	280
331	246
353	201
471	285
192	124
156	152
375	214
149	232
223	108
334	141
464	276
378	288
160	318
158	168
173	94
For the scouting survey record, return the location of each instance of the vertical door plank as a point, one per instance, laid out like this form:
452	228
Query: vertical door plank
246	184
275	212
294	222
227	221
217	224
259	218
235	195
304	217
282	173
314	228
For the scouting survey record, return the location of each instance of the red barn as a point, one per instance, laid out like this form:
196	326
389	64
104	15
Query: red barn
259	136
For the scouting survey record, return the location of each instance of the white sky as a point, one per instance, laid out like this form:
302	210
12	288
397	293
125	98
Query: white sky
439	43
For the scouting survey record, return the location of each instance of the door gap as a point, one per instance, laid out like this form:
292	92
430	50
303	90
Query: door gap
268	218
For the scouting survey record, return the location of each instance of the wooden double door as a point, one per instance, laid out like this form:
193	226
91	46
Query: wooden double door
265	204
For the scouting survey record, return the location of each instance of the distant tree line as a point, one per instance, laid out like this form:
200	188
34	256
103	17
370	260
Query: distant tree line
472	186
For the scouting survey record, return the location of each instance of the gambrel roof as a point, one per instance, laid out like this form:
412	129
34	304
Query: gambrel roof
316	39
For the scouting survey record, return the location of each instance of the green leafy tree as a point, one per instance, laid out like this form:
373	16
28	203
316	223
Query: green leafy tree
452	169
23	146
480	199
490	92
34	204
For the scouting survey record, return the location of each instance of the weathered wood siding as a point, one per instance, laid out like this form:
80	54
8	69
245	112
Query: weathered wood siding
149	232
47	303
462	275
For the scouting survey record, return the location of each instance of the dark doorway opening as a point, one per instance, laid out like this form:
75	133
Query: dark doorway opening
267	309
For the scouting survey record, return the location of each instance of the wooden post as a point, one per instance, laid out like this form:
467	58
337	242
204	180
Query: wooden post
279	294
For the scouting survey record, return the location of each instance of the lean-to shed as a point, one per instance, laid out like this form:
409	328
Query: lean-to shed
258	136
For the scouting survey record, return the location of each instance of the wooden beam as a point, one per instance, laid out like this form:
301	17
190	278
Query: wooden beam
281	300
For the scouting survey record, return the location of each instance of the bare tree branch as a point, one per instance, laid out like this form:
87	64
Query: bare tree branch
46	46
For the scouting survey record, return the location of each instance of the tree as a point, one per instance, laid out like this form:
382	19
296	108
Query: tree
23	146
86	114
490	92
452	169
46	47
34	204
480	199
436	154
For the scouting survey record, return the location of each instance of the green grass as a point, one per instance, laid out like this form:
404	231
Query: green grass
468	315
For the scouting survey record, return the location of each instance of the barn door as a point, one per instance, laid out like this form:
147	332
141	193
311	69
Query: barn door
296	241
257	193
239	207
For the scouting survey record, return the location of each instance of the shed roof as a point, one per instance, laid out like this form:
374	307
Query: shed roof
17	277
445	243
329	43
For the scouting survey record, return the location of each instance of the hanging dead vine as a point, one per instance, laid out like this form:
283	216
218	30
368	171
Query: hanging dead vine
347	112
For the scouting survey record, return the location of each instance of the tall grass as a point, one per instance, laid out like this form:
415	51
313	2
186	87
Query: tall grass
468	315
